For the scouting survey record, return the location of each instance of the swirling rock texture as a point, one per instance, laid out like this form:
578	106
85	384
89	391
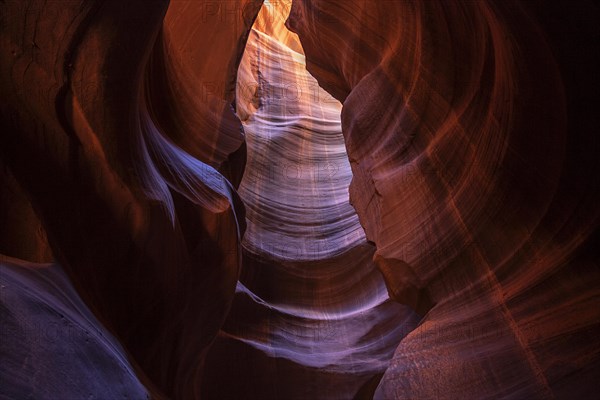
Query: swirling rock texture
466	146
471	144
311	308
148	233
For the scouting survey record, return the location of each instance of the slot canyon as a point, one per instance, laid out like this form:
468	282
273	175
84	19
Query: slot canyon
299	199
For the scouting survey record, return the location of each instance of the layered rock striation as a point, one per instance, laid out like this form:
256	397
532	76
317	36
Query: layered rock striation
388	199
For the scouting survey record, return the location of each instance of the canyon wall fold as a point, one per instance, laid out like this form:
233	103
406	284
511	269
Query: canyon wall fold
133	209
469	149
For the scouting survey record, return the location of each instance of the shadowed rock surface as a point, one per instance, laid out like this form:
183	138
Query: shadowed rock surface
52	346
148	233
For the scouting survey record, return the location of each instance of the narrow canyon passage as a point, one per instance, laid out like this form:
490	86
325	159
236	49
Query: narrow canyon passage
310	295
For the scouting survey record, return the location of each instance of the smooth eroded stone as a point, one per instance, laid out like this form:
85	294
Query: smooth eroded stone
311	318
52	346
471	141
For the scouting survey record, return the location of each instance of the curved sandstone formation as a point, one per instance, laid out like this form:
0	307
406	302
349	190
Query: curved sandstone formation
310	308
148	233
467	172
389	199
295	185
190	80
52	346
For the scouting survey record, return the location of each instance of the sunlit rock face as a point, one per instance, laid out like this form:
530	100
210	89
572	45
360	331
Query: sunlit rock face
295	186
310	308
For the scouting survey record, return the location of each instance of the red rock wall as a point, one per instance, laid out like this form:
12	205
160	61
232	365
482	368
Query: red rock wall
148	234
469	142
